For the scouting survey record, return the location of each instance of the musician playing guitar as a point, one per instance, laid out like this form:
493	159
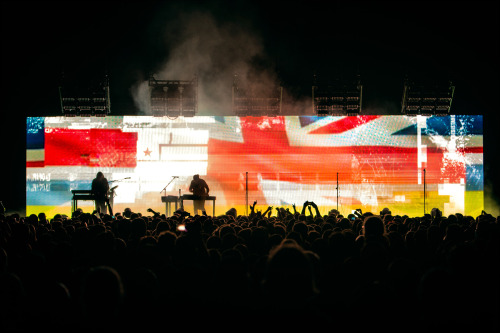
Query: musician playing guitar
100	188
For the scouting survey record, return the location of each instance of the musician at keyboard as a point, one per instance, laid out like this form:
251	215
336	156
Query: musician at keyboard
100	188
199	187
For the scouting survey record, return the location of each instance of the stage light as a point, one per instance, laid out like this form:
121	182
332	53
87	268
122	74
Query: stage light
337	98
427	99
69	106
256	98
173	98
88	103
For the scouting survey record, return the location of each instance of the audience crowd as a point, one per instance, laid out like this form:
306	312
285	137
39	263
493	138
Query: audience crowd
270	270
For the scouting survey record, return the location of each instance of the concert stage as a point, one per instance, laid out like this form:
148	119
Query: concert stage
409	164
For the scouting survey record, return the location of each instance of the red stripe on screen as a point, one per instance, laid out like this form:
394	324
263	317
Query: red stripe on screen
90	147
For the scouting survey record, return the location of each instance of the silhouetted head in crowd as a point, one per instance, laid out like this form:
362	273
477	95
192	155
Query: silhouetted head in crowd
333	212
289	277
232	212
102	294
436	213
373	226
385	211
127	212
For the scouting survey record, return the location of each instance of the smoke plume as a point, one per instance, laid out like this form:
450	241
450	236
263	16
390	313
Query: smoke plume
199	45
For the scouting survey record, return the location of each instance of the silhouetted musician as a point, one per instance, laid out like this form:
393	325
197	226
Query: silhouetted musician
100	188
199	188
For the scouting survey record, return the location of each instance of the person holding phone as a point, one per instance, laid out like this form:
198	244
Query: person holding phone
309	204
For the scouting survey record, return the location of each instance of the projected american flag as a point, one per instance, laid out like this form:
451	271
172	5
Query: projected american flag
377	161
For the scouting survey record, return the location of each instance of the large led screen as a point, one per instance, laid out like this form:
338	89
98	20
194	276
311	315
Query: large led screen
407	164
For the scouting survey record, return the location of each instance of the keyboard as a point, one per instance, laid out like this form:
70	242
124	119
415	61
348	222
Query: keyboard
196	197
169	198
82	195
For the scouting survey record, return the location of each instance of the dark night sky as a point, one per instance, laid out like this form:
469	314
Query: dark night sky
383	41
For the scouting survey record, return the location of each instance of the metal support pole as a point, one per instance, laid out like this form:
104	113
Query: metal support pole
424	191
337	191
246	191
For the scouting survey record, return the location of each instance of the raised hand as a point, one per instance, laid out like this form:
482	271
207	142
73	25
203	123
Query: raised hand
270	210
306	203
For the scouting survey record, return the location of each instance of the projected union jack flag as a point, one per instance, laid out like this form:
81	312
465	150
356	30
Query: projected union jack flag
377	161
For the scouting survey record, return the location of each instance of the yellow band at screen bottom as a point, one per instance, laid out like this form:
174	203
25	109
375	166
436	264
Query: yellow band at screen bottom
410	203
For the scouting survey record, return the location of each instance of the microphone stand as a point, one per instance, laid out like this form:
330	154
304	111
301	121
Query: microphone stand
118	180
165	188
112	193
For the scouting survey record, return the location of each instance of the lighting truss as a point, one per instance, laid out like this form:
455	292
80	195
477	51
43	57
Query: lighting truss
427	100
255	99
337	98
92	102
173	98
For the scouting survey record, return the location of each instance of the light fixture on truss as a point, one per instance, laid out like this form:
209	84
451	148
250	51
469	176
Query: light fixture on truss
255	98
427	100
337	98
173	98
93	101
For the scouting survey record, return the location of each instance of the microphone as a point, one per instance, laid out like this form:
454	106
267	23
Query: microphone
127	178
175	176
